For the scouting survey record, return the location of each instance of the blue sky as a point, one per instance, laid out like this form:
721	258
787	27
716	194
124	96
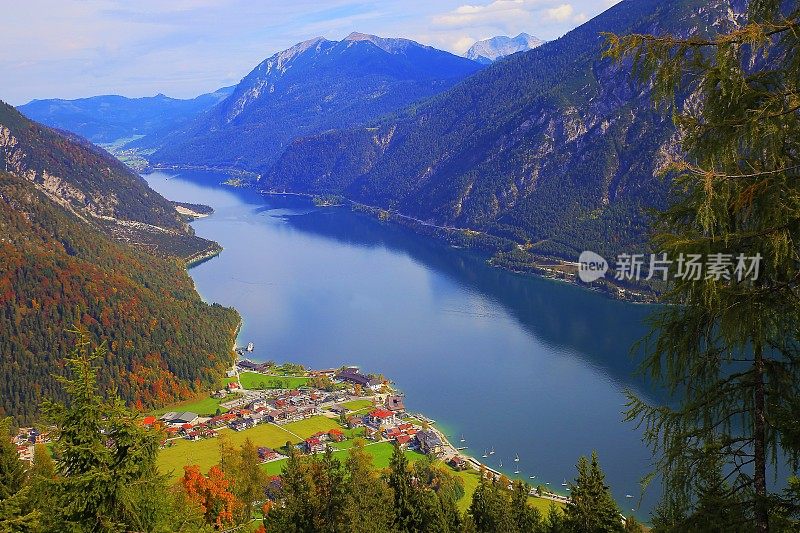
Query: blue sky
182	48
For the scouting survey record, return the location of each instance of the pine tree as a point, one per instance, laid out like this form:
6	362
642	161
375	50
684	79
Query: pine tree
295	511
525	517
591	508
369	500
406	518
106	473
727	349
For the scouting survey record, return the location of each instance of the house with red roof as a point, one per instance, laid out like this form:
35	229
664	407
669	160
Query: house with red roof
314	445
382	417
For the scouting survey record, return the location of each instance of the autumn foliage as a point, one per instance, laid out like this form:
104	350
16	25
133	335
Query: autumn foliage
211	492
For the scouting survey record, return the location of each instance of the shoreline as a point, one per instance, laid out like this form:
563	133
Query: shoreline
608	289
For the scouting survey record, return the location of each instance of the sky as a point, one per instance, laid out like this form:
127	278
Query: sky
182	48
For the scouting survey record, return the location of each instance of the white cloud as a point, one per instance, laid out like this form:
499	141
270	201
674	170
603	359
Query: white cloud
560	13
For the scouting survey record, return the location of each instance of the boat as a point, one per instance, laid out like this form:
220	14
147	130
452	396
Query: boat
628	496
461	448
516	459
492	452
250	346
516	471
501	463
531	477
485	454
564	484
462	438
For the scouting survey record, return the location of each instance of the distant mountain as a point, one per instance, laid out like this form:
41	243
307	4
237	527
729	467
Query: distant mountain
555	149
71	223
106	119
93	185
490	50
313	86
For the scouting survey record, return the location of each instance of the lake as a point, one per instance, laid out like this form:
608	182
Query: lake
520	364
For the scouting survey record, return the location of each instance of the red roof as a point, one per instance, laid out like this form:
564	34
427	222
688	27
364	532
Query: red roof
405	426
149	420
187	426
336	431
313	441
381	413
402	439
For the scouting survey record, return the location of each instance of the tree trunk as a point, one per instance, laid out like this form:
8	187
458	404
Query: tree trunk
759	447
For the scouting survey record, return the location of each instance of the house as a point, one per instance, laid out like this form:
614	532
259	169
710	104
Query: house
371	433
457	462
267	454
381	417
246	364
149	421
338	409
353	376
314	445
394	403
233	386
355	422
241	424
336	435
187	417
258	404
402	440
429	442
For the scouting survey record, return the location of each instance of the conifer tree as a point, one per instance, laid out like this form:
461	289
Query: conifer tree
591	508
106	473
728	347
406	518
369	500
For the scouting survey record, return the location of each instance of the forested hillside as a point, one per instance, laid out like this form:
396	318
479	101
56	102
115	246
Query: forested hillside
555	148
311	87
91	183
57	270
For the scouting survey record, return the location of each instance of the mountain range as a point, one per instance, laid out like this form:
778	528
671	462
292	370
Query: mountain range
489	50
553	151
313	86
546	153
86	242
109	118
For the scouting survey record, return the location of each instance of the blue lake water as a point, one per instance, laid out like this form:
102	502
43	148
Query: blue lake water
520	364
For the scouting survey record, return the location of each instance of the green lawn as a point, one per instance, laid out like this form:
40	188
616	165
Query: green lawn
204	406
315	424
356	405
381	453
205	453
256	381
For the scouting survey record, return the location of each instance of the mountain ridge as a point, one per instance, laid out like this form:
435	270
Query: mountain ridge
555	150
489	50
315	85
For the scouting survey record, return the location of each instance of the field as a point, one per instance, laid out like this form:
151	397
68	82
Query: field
357	405
204	406
381	452
256	381
205	453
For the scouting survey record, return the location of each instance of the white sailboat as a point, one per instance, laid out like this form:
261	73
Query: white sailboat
485	454
516	459
492	452
462	438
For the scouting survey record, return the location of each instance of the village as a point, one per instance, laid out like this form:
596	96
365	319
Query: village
383	417
310	410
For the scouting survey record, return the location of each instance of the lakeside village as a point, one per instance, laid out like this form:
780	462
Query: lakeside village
345	403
